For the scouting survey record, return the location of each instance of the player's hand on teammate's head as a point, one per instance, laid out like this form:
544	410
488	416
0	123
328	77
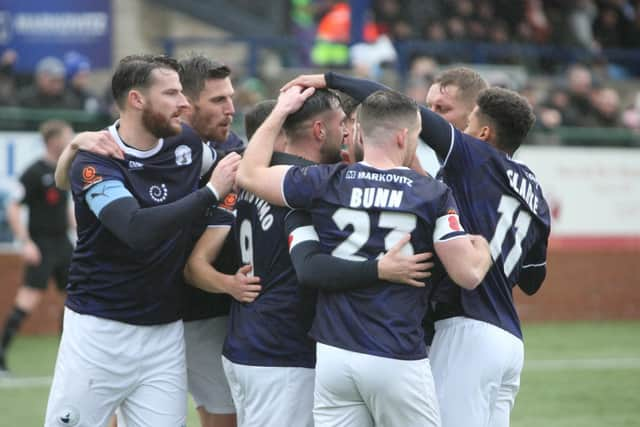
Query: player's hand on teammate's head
100	142
244	288
292	99
307	80
224	175
408	269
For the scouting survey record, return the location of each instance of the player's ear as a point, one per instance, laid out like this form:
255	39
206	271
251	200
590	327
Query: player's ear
135	98
402	137
319	131
486	133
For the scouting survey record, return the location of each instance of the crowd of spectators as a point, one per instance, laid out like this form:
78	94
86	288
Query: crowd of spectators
57	83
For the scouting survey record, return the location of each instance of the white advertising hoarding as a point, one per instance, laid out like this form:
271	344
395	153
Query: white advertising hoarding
592	192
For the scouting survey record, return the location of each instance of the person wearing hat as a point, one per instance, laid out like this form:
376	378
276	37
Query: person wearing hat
78	70
48	90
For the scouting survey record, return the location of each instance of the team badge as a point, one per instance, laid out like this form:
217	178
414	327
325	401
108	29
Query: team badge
69	417
183	155
158	193
229	202
89	176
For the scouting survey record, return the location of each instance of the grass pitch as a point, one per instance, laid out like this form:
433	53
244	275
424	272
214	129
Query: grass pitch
575	375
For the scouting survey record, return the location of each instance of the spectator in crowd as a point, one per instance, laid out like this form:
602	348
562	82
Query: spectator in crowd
579	85
78	70
48	90
7	78
606	108
631	116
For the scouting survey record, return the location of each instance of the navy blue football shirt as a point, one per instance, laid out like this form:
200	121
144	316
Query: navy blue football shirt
108	278
360	212
272	330
501	199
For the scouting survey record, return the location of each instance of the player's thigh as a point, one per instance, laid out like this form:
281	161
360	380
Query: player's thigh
160	396
62	259
206	379
337	400
398	392
271	396
89	380
468	359
507	391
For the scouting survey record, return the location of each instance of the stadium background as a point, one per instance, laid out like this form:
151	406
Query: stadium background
581	329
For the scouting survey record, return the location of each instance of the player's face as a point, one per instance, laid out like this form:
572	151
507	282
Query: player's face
164	102
412	142
56	145
475	126
213	111
337	133
446	102
352	150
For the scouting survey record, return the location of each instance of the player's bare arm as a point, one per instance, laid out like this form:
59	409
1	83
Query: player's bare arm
96	142
466	259
200	272
254	173
30	252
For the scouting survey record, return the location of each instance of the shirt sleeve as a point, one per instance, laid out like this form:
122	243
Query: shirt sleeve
90	169
301	184
447	225
316	269
217	216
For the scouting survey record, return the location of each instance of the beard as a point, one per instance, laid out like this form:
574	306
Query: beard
330	153
203	126
158	124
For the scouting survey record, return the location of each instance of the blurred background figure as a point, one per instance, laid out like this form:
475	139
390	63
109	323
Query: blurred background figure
78	71
46	249
48	89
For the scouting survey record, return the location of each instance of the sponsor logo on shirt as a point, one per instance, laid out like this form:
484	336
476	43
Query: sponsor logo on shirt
183	155
158	193
135	165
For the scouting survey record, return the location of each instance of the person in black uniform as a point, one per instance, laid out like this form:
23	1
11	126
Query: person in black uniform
46	248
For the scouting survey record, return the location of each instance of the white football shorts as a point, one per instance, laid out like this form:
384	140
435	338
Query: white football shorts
476	367
103	364
206	380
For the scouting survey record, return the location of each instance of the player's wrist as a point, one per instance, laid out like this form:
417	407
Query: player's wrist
213	190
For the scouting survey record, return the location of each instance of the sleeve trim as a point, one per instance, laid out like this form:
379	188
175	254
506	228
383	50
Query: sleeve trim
453	140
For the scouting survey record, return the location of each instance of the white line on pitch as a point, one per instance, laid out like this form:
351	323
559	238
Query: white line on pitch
559	364
24	382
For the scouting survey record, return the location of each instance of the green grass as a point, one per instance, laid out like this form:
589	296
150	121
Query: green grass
576	375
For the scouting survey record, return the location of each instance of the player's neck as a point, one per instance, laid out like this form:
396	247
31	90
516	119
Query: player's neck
379	158
50	158
134	134
304	151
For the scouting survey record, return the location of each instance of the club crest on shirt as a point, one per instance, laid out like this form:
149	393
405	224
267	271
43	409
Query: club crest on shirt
158	193
183	155
89	176
229	202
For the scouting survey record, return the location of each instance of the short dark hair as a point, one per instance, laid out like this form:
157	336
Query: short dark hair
348	103
468	82
387	109
509	113
256	115
53	129
134	71
322	100
196	70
